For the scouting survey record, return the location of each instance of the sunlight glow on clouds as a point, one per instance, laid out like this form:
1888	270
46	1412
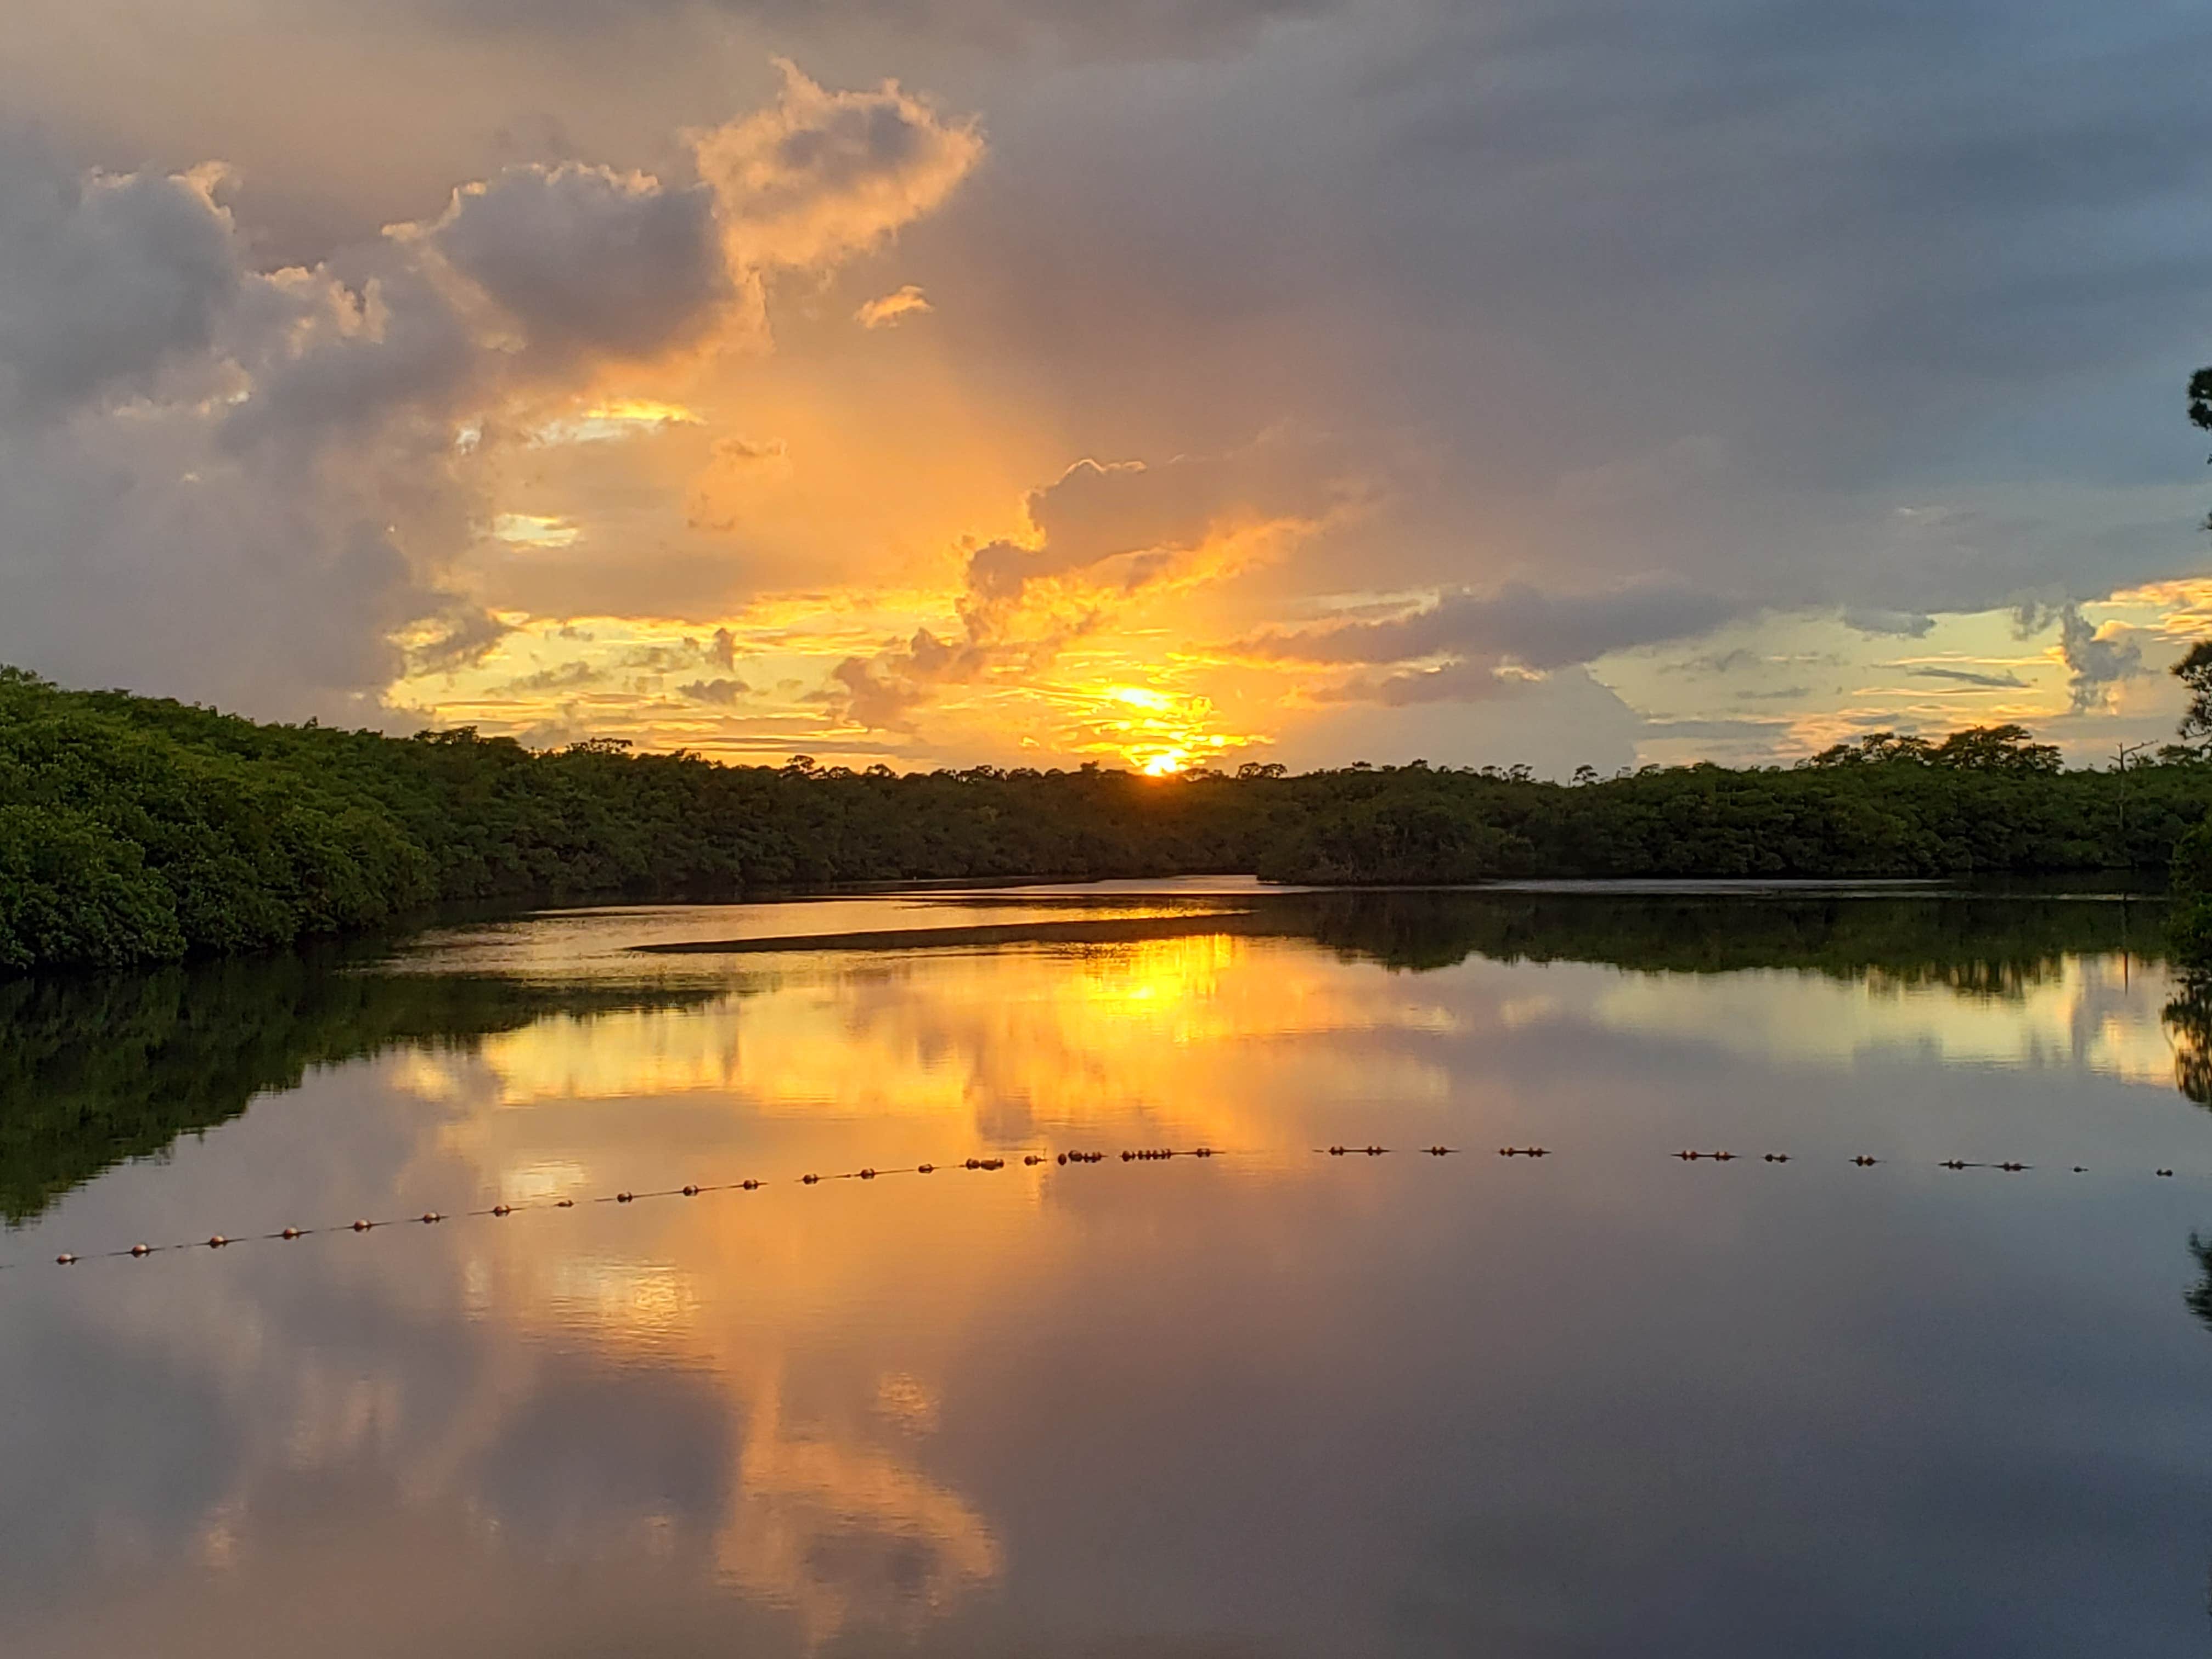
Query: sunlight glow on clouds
891	308
533	530
655	387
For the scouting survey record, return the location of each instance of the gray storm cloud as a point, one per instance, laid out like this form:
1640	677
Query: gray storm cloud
2094	664
247	486
592	262
1147	28
1967	676
103	280
1880	311
1479	634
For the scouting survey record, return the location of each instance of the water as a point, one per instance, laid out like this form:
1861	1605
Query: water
1273	1402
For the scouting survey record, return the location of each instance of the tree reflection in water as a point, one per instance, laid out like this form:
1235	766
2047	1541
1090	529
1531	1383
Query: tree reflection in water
2188	1020
98	1070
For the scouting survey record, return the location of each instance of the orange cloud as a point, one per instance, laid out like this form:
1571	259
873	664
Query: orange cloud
891	308
820	176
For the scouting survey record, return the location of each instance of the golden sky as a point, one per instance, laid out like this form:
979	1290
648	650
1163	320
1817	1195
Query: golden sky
1021	383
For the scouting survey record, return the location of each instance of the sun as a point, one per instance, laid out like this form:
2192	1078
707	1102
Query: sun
1166	764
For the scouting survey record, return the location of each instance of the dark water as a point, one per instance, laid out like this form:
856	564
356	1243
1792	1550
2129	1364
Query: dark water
1270	1403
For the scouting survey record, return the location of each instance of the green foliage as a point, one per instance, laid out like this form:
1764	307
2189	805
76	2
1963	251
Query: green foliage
1398	839
135	830
1978	945
71	891
1977	748
2195	671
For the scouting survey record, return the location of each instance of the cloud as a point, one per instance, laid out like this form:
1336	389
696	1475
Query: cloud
1518	624
566	676
104	278
891	308
1105	536
739	453
819	176
1129	28
720	691
1966	677
256	487
1735	661
2095	661
1489	643
1727	731
591	263
1900	624
1455	682
1861	311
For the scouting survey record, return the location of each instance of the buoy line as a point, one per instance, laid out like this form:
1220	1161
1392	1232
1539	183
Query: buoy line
1030	1160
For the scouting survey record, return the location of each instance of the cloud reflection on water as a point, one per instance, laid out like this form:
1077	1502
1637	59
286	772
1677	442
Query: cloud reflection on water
965	1409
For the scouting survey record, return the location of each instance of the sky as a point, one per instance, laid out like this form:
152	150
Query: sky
1160	383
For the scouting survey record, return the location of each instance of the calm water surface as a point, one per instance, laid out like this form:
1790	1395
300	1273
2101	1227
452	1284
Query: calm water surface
1607	1402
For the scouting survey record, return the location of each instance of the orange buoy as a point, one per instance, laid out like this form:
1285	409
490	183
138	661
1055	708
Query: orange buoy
289	1232
217	1242
691	1192
925	1168
63	1260
142	1249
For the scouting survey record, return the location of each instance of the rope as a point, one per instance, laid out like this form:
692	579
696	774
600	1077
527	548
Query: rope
983	1165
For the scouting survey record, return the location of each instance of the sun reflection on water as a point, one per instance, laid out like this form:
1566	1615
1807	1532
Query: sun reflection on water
810	1343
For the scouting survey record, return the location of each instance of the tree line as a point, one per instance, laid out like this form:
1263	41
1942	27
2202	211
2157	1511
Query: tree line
2192	857
136	831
